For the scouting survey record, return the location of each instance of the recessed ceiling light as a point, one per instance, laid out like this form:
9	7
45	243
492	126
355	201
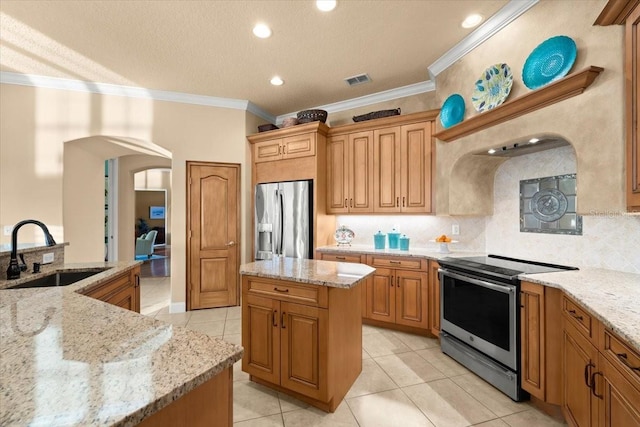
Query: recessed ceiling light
491	151
533	140
277	81
326	5
262	31
471	21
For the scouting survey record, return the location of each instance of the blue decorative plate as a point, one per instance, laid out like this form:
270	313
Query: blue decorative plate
550	60
492	88
452	111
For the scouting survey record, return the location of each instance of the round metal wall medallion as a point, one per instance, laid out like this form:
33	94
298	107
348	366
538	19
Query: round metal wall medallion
549	205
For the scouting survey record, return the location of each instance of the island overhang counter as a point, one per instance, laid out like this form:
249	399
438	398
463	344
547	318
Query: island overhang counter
302	327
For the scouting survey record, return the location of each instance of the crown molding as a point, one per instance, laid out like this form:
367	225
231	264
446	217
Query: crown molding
374	98
33	80
501	19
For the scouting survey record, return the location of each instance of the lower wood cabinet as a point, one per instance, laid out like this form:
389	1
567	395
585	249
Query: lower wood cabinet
434	298
354	258
296	343
122	290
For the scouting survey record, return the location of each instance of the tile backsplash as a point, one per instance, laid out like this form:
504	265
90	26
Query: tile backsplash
609	239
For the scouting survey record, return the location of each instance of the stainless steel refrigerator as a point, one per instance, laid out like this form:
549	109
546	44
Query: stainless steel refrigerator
284	220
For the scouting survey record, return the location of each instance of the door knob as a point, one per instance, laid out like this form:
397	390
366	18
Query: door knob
231	243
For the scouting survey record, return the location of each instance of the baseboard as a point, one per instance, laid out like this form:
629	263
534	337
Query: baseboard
178	307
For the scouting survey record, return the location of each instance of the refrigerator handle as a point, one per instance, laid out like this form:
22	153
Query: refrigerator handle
281	231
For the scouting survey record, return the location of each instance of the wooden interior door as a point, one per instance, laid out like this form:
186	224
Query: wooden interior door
213	233
381	301
411	299
303	349
415	181
261	338
386	166
361	172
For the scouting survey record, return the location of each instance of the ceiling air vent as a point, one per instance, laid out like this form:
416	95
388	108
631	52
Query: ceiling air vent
357	80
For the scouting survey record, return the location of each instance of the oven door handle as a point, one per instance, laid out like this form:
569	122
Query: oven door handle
493	286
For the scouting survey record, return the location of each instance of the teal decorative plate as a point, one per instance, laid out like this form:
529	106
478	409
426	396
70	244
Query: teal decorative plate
452	111
492	88
550	60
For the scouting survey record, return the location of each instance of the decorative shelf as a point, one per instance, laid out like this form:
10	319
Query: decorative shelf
567	87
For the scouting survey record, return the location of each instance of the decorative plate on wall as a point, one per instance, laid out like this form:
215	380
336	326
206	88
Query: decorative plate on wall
550	60
492	88
548	205
452	111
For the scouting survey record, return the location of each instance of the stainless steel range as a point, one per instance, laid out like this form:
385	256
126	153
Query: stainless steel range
480	315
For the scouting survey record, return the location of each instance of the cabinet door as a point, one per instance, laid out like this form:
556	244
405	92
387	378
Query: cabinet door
434	298
579	362
381	296
411	299
532	325
303	350
416	167
299	146
632	74
125	298
261	337
361	172
620	402
386	166
337	174
267	151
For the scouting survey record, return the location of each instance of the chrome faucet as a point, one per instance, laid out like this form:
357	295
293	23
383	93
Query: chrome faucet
13	272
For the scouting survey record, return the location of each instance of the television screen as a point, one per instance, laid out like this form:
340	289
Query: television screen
156	212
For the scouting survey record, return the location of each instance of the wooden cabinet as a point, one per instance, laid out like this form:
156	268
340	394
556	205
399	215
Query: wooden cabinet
290	147
601	373
403	157
304	340
398	295
383	165
434	297
122	290
632	89
350	173
532	328
355	258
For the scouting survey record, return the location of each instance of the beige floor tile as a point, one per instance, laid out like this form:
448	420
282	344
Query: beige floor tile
372	379
447	405
368	329
408	369
214	329
177	319
531	418
378	344
489	396
208	315
444	363
416	342
164	310
234	312
270	421
233	338
387	409
238	373
313	417
251	400
233	327
365	355
289	403
492	423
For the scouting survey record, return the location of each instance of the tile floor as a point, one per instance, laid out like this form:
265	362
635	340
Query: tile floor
405	381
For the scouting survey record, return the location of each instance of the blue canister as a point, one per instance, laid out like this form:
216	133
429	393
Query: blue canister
404	243
379	240
393	239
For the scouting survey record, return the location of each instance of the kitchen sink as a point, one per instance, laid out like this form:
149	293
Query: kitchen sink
63	278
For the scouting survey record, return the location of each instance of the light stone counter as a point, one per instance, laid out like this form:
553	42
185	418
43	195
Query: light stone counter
611	296
412	252
322	273
67	359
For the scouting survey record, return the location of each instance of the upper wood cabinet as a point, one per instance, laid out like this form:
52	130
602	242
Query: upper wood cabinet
382	166
350	173
285	148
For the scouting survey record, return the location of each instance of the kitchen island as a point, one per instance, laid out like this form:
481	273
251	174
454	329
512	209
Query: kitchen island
302	328
68	359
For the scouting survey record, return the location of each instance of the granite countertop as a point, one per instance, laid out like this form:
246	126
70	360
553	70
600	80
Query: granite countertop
315	272
67	359
412	252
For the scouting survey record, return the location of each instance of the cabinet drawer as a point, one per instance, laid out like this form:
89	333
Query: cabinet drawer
340	257
105	290
621	355
288	291
397	262
579	318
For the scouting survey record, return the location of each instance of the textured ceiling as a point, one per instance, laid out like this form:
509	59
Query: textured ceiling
207	47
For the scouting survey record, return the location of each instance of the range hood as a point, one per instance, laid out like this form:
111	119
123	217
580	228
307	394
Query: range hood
525	146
